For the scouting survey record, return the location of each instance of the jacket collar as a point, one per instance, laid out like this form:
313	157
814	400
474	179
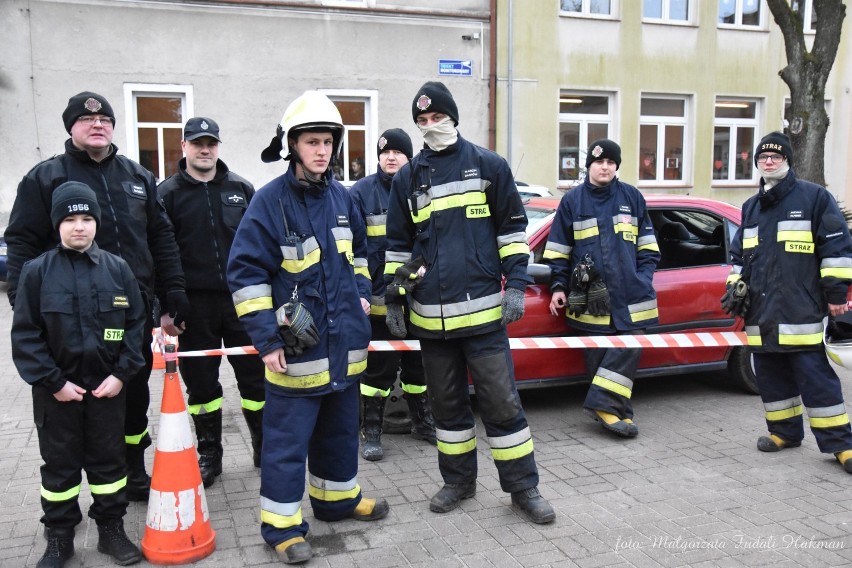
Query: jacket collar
83	156
771	196
221	172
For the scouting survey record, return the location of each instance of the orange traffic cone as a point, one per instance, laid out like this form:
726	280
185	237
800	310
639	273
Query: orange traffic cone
157	343
177	529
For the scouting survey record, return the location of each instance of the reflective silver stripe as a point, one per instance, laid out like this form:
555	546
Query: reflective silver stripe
283	509
826	411
510	440
642	306
587	224
376	220
752	330
615	377
392	256
360	262
836	263
342	233
519	237
377	300
307	368
750	233
457	308
457	188
321	483
292	252
616	220
736	269
782	404
561	249
799	329
425	310
794	225
455	436
642	241
423	201
251	293
357	355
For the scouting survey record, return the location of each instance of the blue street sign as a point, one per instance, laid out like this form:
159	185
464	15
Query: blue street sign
455	67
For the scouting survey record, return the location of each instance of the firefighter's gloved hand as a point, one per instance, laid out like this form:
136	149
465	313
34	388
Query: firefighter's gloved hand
736	301
576	303
292	347
178	306
395	320
406	278
598	299
295	319
512	306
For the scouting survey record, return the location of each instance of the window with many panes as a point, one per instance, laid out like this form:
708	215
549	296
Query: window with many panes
806	11
666	10
740	13
588	7
734	137
662	138
155	118
583	118
358	111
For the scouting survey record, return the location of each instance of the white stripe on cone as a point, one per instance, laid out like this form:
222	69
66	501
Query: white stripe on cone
176	424
169	511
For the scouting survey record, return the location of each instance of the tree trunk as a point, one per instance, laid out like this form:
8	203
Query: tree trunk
806	74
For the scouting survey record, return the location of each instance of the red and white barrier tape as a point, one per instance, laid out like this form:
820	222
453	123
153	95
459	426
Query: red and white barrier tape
662	340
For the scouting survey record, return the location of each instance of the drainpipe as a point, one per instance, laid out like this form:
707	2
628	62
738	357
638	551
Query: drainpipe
492	77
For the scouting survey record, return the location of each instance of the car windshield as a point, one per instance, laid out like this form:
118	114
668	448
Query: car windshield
537	216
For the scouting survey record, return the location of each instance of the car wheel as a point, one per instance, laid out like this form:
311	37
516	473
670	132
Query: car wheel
741	370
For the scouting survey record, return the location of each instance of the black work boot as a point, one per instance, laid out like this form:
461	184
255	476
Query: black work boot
138	480
536	507
372	410
208	430
60	547
254	420
451	495
422	423
113	541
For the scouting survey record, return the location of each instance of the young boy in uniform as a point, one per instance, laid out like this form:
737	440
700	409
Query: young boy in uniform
77	338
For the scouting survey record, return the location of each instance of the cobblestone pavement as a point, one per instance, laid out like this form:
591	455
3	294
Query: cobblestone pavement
691	490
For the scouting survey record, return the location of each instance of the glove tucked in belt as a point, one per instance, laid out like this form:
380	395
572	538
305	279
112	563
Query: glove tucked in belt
587	292
297	328
406	278
736	301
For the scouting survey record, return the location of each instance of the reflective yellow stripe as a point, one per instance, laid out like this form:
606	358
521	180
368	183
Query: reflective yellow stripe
333	491
362	271
514	248
555	255
651	246
373	392
281	521
799	339
503	454
829	422
252	405
586	318
472	320
136	439
612	386
211	406
800	236
356	368
62	496
376	230
644	315
843	273
750	242
299	382
456	448
295	266
733	278
108	488
412	389
586	233
378	310
784	414
449	202
253	305
626	228
390	267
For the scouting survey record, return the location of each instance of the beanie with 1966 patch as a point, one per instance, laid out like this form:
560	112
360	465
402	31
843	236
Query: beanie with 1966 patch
74	198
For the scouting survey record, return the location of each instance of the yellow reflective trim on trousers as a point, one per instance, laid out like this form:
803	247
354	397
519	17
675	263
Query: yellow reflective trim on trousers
377	310
503	454
211	406
829	422
390	267
803	339
452	201
586	318
376	230
254	305
644	315
55	497
650	246
472	320
455	449
412	389
333	495
843	273
301	382
800	236
612	386
555	255
586	233
514	248
373	392
785	414
108	488
296	266
362	271
750	242
281	521
252	405
136	439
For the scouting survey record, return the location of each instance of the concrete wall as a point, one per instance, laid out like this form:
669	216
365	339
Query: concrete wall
244	62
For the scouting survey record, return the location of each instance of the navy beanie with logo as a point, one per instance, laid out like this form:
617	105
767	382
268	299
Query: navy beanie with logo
434	96
603	149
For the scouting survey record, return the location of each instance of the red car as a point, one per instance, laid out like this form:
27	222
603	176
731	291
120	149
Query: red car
694	235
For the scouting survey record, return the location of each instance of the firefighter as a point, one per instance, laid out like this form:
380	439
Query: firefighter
299	281
603	251
455	227
791	268
205	202
371	195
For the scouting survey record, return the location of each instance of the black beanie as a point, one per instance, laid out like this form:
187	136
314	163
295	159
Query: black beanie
85	103
603	149
395	139
775	142
434	96
74	198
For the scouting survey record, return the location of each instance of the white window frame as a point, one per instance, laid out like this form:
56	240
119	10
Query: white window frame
738	17
370	98
734	124
666	15
807	14
585	11
134	90
584	120
660	122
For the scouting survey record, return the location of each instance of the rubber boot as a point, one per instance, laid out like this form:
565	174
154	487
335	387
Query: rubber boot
113	541
254	420
208	430
372	410
60	548
138	481
422	423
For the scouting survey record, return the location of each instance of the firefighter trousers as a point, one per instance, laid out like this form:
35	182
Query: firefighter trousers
611	372
136	434
489	360
383	366
803	381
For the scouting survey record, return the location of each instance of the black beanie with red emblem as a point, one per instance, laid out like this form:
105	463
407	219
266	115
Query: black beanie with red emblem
434	96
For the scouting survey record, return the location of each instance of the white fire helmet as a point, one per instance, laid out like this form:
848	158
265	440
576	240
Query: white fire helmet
837	339
312	110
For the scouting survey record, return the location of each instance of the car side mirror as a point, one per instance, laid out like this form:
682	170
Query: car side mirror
540	273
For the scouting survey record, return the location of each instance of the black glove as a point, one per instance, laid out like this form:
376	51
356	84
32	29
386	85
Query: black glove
296	320
395	320
178	305
576	303
292	347
736	301
598	298
406	278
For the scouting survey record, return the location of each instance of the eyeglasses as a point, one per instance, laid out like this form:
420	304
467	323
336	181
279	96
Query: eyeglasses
90	120
763	158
